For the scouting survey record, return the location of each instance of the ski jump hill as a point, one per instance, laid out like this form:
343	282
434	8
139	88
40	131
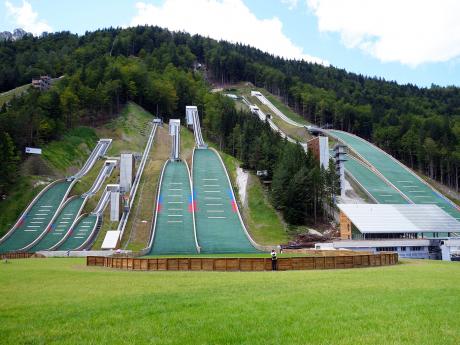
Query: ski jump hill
383	178
196	208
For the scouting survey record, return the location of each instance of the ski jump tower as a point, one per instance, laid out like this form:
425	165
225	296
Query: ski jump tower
340	152
193	119
174	132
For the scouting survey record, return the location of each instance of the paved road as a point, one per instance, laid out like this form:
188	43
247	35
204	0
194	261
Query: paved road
36	220
406	181
218	226
174	232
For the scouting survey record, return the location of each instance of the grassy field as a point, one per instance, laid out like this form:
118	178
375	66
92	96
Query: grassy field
8	95
70	153
187	143
265	224
60	301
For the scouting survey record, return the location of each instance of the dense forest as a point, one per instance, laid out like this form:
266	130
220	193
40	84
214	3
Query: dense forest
104	70
155	68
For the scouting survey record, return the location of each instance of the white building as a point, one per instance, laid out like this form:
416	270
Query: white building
450	249
126	171
411	230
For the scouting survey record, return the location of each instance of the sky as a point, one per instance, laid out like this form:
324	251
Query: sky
408	41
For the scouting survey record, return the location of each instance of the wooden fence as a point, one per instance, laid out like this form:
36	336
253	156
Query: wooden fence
316	252
15	255
244	264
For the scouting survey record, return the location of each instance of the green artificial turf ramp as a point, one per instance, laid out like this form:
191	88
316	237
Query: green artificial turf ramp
174	232
60	226
218	226
35	221
404	180
80	233
382	192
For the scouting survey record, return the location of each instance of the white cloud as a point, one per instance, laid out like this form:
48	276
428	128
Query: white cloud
229	20
25	18
292	4
411	32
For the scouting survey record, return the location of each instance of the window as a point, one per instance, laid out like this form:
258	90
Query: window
415	249
386	249
403	249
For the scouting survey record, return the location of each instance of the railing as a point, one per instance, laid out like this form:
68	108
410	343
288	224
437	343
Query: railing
105	172
244	264
132	194
269	104
98	151
197	131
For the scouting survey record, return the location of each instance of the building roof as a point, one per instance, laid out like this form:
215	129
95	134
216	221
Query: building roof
399	242
405	218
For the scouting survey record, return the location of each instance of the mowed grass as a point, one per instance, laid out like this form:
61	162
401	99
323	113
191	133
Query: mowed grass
61	301
266	225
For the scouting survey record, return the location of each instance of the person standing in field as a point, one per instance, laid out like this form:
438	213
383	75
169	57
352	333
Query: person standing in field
274	260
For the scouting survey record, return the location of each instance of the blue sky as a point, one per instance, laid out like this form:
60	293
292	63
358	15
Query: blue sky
410	41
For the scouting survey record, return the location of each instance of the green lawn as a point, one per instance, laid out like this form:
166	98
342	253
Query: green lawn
265	224
61	301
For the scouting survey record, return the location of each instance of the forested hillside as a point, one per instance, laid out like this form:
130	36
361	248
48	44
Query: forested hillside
155	68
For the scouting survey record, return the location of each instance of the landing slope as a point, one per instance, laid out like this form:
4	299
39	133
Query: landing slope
218	225
406	181
34	222
174	230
